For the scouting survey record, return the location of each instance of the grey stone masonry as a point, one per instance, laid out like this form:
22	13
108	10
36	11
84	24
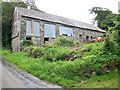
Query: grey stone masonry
57	30
42	32
81	31
23	28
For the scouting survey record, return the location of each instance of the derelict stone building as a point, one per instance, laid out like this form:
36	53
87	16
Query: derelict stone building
41	27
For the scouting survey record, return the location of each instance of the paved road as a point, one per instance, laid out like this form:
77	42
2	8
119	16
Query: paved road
13	78
9	80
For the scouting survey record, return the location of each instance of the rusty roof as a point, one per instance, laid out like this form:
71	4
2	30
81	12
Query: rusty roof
54	18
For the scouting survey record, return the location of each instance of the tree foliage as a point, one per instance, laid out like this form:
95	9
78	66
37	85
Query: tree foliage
116	29
112	43
7	15
103	17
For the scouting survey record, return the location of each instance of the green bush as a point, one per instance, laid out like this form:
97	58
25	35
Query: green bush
50	53
26	43
87	48
97	49
48	57
109	46
30	48
37	52
54	53
64	41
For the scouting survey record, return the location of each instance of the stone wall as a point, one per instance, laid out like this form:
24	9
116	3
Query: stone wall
42	32
16	31
79	34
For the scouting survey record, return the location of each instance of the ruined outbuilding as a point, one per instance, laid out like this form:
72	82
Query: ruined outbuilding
40	27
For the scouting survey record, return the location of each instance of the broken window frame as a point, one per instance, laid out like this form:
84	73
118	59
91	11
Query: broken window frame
64	30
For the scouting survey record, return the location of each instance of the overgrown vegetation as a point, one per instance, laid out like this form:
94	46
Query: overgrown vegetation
103	81
112	43
64	41
65	61
64	65
26	43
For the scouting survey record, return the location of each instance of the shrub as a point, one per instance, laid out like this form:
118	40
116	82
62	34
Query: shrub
64	41
97	49
30	48
48	57
27	48
37	52
26	43
109	46
67	55
54	53
87	48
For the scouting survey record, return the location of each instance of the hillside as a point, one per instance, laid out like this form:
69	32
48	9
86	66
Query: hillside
69	63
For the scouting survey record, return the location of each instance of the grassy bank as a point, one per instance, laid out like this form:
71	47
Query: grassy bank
54	64
103	81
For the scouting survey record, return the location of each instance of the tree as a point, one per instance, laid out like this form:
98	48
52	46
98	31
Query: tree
103	17
112	43
116	28
7	13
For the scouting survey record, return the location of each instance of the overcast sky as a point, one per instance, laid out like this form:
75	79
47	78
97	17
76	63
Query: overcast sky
75	9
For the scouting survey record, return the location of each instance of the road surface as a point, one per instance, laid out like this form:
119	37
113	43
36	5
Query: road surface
15	78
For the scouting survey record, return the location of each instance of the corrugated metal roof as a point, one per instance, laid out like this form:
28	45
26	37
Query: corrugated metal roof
56	19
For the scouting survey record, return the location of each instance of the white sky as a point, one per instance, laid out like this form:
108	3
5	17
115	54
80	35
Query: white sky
75	9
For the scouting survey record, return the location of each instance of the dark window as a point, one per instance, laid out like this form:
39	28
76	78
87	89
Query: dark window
91	37
87	37
80	35
104	35
28	38
64	34
46	40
